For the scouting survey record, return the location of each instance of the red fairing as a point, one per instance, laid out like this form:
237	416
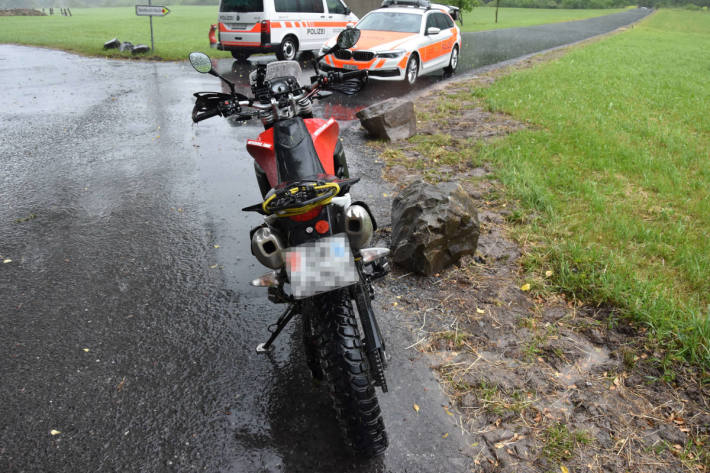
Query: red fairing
325	137
262	150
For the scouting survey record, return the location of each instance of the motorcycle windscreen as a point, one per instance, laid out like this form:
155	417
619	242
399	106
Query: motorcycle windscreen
320	266
296	156
283	69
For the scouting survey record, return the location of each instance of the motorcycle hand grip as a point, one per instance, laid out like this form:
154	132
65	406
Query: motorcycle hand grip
199	116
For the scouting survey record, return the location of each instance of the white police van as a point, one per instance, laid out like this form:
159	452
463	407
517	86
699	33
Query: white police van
281	26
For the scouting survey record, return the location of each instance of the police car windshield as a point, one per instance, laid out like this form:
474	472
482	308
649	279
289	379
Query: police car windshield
391	21
241	6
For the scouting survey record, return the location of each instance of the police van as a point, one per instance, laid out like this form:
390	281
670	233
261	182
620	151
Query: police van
281	26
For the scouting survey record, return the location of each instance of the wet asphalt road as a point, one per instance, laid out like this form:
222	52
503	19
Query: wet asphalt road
126	322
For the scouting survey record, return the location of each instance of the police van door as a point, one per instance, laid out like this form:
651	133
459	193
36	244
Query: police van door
338	17
302	18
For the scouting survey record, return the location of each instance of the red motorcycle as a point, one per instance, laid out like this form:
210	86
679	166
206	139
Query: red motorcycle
314	237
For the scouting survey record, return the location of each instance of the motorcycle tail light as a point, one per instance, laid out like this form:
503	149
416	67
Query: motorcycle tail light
304	217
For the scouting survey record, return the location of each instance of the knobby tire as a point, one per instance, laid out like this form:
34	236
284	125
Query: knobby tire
347	373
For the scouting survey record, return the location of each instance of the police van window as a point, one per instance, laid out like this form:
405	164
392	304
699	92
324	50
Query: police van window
241	6
334	6
299	6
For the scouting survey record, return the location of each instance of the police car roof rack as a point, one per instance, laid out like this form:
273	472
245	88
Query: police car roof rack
406	3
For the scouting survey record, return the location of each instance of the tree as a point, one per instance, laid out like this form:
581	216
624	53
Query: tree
464	5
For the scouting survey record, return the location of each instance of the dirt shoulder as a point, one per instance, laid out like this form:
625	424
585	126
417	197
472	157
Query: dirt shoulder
542	383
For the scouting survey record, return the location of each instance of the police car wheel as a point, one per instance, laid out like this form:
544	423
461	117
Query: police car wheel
288	49
453	62
412	71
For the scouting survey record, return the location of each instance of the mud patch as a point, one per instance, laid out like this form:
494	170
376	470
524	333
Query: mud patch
541	382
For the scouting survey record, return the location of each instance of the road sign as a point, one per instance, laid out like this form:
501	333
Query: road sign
149	10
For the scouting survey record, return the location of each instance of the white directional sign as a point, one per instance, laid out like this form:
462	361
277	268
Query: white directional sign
149	10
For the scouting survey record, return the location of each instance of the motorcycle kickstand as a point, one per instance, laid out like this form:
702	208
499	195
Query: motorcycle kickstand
280	325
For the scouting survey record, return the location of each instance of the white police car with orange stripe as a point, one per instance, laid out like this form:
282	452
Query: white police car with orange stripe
281	26
401	41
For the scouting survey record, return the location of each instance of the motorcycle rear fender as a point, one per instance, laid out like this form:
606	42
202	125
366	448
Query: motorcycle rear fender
324	134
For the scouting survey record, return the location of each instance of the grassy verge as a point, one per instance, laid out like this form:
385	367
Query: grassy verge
185	29
612	174
483	18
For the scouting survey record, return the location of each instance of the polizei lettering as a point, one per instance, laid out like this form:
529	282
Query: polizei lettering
315	30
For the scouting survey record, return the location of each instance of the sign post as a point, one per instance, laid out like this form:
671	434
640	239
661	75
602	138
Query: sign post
151	11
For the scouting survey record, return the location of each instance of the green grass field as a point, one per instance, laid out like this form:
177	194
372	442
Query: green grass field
613	176
483	18
185	29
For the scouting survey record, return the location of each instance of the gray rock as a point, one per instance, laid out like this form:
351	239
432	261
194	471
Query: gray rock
112	44
126	46
433	226
392	119
672	434
140	49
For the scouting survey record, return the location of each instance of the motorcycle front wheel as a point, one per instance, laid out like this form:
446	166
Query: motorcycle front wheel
343	362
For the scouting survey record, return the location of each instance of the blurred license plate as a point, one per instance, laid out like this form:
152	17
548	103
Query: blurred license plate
352	67
321	266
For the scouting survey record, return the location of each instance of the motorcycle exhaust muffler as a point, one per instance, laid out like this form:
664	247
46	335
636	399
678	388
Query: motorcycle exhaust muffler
267	247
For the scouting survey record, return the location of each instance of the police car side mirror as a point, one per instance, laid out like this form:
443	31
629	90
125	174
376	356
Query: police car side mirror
348	10
432	30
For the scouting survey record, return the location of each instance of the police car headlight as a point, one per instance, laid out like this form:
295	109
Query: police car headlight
391	54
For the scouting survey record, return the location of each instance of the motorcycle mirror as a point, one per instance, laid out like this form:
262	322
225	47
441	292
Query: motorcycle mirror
348	38
201	62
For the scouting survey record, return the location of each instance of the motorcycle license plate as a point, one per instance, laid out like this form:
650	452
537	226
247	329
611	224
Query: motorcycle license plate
320	266
350	67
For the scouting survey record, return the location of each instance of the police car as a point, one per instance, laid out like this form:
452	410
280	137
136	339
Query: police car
401	41
281	26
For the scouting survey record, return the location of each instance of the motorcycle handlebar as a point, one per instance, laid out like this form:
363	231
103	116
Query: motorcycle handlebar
213	109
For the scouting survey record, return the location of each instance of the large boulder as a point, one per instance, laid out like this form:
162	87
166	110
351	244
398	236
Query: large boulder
433	226
391	120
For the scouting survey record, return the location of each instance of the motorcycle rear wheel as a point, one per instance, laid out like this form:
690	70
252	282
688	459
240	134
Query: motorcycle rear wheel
347	374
